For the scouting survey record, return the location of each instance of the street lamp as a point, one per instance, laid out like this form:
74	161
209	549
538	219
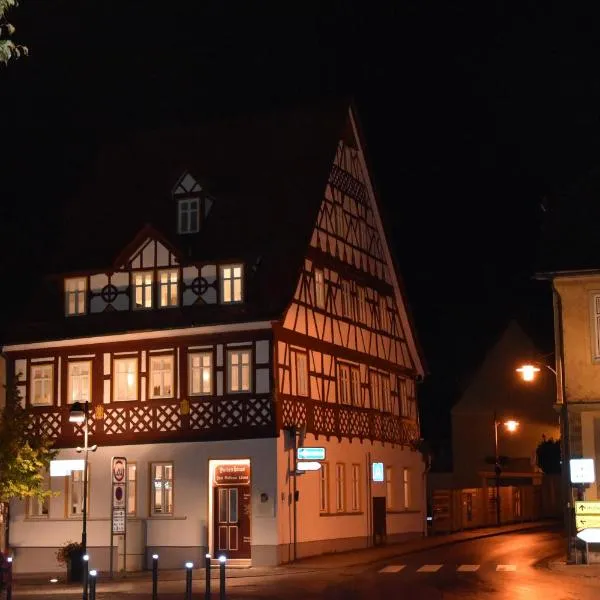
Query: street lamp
79	414
510	426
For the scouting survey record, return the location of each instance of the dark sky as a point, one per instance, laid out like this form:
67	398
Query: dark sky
473	112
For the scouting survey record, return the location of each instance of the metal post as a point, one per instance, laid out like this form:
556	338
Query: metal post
86	566
85	486
93	574
222	561
9	560
497	469
295	492
154	576
207	577
188	580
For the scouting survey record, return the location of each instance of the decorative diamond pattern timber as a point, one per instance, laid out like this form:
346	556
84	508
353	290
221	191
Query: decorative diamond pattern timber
115	421
201	415
259	412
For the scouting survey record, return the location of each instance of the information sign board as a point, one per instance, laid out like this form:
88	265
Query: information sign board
310	453
377	469
118	521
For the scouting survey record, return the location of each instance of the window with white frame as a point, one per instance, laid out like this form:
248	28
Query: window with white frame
189	215
75	495
40	507
131	488
389	488
142	289
340	487
344	390
299	364
125	379
355	487
80	381
168	291
162	489
406	487
42	385
161	376
75	295
231	283
200	373
361	305
319	288
347	299
238	379
355	386
324	488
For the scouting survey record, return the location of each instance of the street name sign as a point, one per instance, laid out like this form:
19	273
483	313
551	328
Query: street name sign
582	470
590	535
310	453
586	521
308	466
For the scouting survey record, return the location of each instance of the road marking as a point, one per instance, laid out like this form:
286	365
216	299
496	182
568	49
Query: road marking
429	568
506	568
468	568
392	569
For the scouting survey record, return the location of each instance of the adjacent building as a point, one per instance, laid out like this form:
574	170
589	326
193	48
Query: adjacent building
225	293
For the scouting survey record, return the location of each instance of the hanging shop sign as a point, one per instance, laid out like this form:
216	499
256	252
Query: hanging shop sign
582	470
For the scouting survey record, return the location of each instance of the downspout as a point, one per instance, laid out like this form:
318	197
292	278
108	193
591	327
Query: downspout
561	398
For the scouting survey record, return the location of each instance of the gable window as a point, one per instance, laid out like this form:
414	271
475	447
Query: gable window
125	379
189	215
231	283
161	377
200	377
319	288
142	289
75	293
239	370
162	489
167	288
346	299
299	365
80	381
42	384
131	488
340	487
344	384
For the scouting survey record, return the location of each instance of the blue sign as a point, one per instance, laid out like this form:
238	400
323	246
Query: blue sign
378	472
310	453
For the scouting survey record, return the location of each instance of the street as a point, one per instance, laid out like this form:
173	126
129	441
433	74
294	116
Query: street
510	566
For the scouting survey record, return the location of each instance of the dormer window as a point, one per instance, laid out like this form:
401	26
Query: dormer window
193	205
142	289
75	293
231	283
168	292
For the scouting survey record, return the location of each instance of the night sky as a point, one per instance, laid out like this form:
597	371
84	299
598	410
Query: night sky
475	114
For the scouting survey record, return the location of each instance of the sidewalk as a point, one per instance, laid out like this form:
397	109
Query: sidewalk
40	582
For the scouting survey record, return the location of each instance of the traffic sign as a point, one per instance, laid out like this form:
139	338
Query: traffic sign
590	535
589	507
308	466
310	453
118	495
118	520
119	469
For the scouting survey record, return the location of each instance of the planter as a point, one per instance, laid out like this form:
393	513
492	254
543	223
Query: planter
75	567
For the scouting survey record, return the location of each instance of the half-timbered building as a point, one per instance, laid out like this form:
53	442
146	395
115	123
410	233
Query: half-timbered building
223	294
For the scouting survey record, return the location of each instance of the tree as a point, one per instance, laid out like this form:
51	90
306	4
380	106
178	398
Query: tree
8	48
548	456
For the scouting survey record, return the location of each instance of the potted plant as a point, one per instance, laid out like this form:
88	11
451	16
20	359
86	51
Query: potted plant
71	555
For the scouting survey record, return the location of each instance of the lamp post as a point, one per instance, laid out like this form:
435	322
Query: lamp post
511	426
79	414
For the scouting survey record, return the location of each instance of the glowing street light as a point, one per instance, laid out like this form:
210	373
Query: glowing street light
528	372
511	426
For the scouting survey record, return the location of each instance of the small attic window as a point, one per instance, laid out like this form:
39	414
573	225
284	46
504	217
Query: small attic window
192	204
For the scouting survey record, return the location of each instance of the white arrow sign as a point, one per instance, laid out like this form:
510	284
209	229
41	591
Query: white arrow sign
591	535
310	465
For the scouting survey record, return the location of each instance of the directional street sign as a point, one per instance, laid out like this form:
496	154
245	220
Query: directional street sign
587	521
590	535
308	453
308	466
590	507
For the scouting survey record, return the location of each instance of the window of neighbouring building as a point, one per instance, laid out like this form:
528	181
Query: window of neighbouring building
389	488
125	379
42	385
189	215
299	365
131	488
324	488
75	296
80	381
231	283
142	289
161	376
200	373
162	489
344	389
355	487
347	298
238	379
168	290
361	305
355	386
319	288
340	487
406	486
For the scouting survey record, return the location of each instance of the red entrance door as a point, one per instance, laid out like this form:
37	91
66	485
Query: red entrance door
232	521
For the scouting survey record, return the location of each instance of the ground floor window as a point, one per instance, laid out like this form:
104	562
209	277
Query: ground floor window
162	489
324	488
131	489
75	493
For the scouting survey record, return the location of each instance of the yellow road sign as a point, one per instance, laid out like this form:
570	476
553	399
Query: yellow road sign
586	521
591	507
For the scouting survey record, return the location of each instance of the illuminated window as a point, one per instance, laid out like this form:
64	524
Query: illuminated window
347	299
319	288
239	370
162	489
324	488
406	486
299	364
355	487
80	382
189	215
344	384
355	386
161	376
75	293
389	492
40	507
142	289
125	379
75	495
340	487
167	288
200	373
42	385
131	488
231	283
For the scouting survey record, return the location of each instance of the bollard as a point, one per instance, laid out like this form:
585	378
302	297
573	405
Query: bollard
207	577
154	576
9	560
222	561
93	574
188	580
86	566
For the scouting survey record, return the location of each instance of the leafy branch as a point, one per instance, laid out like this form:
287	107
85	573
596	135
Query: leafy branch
8	48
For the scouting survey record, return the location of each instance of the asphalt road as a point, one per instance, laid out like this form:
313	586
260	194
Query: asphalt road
506	567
